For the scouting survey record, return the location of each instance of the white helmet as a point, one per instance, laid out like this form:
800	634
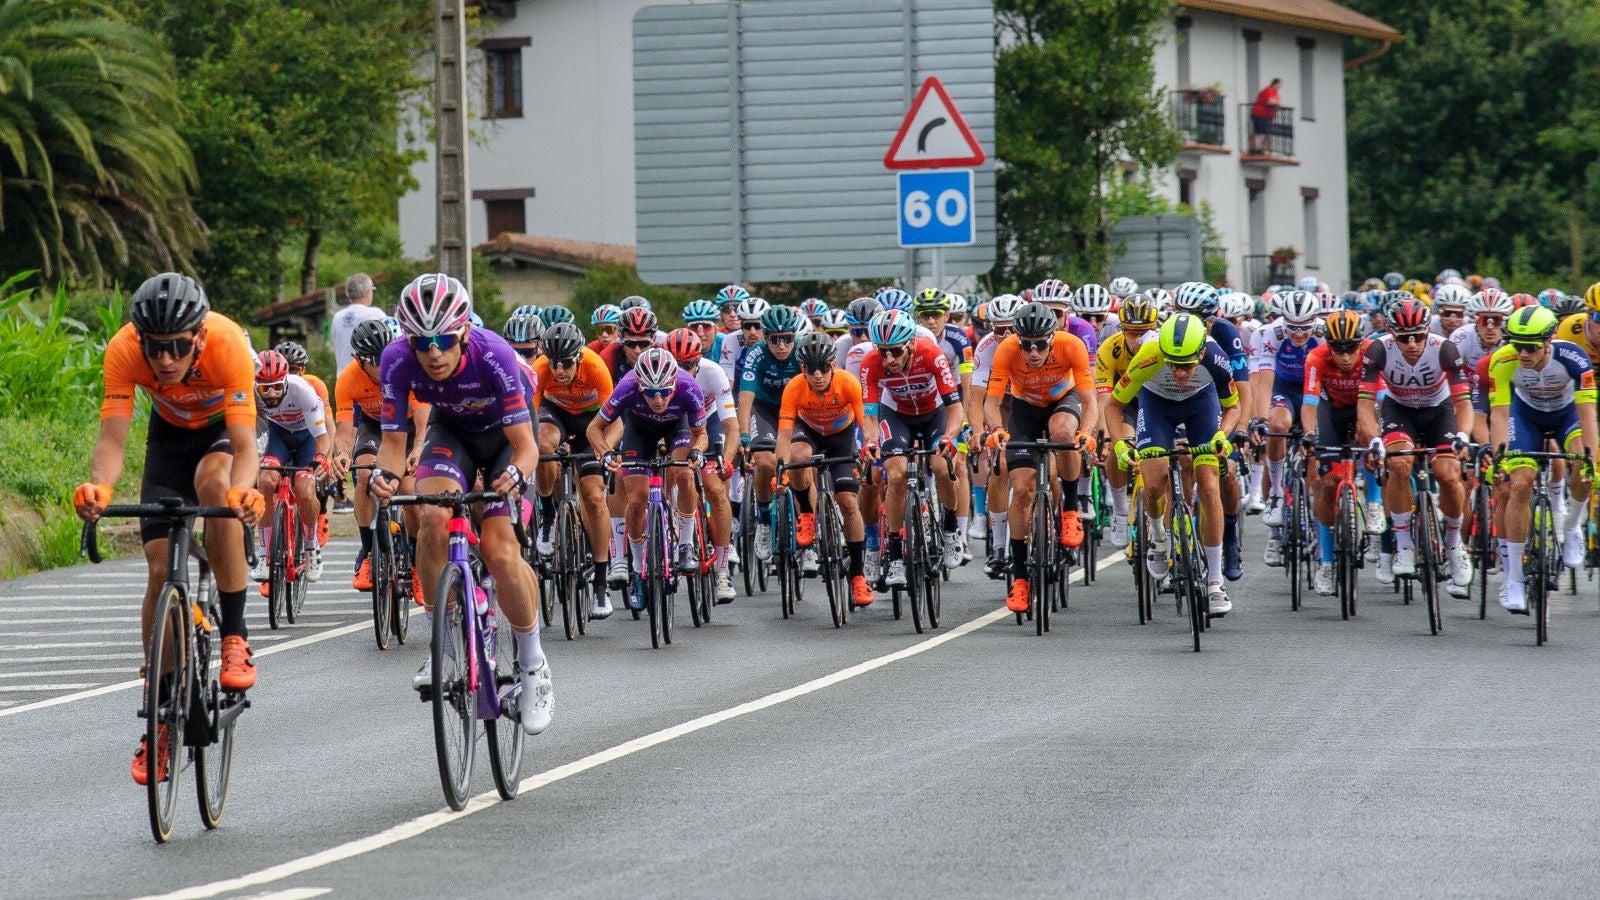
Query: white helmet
751	309
1123	286
433	304
1238	305
656	369
1492	301
958	304
1308	283
1452	295
1003	308
1161	297
1329	301
1299	307
1091	300
804	326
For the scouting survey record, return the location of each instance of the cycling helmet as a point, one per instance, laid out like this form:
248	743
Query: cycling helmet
894	298
834	322
1351	300
1415	288
1182	339
1371	284
1591	297
639	321
1548	297
656	370
1531	324
781	320
1123	286
683	344
1453	296
562	341
1475	282
1518	301
1160	298
1237	305
1343	326
1052	290
632	301
861	310
1490	300
891	328
1137	312
526	309
271	367
1393	299
1492	282
169	303
700	311
369	339
433	304
1568	304
804	327
813	307
815	351
1393	280
554	314
1196	298
294	353
1308	284
1447	275
732	294
1091	300
751	309
521	328
932	300
959	304
1035	320
606	314
1300	307
1409	316
475	319
1002	310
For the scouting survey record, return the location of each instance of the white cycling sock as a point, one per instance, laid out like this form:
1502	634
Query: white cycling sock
961	524
636	550
1401	522
1119	501
722	559
530	651
617	531
1275	476
685	528
1514	561
1214	564
1452	531
1000	524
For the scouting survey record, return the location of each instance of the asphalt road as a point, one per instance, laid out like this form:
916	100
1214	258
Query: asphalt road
1298	755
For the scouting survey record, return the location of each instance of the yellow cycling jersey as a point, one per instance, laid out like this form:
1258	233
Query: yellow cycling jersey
1571	329
1112	359
1565	378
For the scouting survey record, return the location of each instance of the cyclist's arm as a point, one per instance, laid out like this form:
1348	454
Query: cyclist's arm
1460	386
246	464
784	439
747	401
391	456
105	466
1114	424
1311	393
1366	400
954	418
1083	382
1260	393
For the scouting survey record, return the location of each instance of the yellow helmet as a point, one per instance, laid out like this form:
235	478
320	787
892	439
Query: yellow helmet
1415	288
1183	339
1591	297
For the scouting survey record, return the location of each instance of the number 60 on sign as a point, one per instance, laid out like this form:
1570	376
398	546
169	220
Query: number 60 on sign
936	209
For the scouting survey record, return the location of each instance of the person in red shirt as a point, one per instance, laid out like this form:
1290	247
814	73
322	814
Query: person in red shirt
1262	113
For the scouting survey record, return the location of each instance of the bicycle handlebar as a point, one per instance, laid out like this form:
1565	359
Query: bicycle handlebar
457	501
170	509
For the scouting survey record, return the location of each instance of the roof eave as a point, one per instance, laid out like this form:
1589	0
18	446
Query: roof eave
1384	34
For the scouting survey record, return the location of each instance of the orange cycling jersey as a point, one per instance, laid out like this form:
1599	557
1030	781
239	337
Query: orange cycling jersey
354	387
220	386
587	392
827	413
318	385
1066	364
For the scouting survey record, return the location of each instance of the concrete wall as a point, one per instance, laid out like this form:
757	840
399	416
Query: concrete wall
528	284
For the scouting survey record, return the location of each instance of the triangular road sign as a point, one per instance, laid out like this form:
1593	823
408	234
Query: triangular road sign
933	135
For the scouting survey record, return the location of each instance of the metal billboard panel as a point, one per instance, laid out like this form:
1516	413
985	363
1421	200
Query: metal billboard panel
760	130
1158	251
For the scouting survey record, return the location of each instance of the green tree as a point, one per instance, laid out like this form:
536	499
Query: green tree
1075	97
94	177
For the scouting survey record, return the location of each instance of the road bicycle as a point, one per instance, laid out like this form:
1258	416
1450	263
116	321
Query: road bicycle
1188	572
390	560
1479	529
922	544
1299	540
475	677
754	571
564	575
658	583
701	582
1048	567
781	515
1541	554
183	704
1095	507
1425	536
1349	535
832	551
287	555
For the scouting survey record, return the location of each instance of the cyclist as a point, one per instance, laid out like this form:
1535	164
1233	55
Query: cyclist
717	470
196	367
1427	402
1046	371
299	362
994	496
479	424
1200	299
297	435
1543	389
909	395
1057	295
572	383
1449	309
606	320
749	310
1092	303
850	349
819	413
933	308
1476	341
1137	318
1277	373
813	308
1122	287
655	403
1182	378
358	432
763	373
1328	417
638	330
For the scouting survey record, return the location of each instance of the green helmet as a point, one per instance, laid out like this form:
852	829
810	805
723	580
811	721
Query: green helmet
931	300
1183	338
555	315
780	320
1531	324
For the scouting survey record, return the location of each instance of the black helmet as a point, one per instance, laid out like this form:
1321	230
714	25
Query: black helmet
1034	320
861	310
815	350
369	339
169	303
631	301
563	341
293	353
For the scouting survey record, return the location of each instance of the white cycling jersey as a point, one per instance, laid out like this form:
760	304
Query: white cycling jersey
853	357
732	346
1470	346
299	410
983	360
718	391
1420	385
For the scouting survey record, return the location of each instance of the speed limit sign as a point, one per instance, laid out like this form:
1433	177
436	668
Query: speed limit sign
936	209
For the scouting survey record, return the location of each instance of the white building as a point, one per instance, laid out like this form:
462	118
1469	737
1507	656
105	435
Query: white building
555	106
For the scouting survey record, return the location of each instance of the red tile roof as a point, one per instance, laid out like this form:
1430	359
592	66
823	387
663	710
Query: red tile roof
561	253
1319	15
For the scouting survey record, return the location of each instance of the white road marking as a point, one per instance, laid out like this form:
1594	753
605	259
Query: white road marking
254	638
291	894
87	657
123	670
34	688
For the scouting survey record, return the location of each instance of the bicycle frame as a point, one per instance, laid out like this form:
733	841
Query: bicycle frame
1188	583
1542	544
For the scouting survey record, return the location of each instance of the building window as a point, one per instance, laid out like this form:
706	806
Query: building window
1258	215
1308	213
1186	187
505	82
1184	24
1252	60
506	216
1308	71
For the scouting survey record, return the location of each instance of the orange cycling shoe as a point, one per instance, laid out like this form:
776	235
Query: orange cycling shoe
1017	600
266	588
416	588
363	579
860	591
805	529
141	765
1071	529
238	672
322	530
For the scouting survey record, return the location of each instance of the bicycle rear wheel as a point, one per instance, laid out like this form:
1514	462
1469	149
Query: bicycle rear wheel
165	716
505	731
914	552
1483	543
277	565
381	564
213	762
1040	598
1185	571
1423	530
1349	552
1535	569
830	545
454	696
931	589
404	583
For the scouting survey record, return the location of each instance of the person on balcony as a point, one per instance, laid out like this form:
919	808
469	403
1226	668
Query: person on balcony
1262	114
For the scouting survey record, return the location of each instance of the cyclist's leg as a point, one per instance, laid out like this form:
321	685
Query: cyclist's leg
801	448
445	465
763	430
897	436
364	452
550	434
680	486
303	452
1515	499
1577	483
1203	417
1279	418
1025	422
1399	435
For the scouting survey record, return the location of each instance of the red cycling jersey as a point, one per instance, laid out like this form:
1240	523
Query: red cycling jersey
1324	379
923	386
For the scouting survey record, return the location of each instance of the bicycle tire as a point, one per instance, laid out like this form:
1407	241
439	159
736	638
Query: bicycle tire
1535	568
913	551
830	547
668	586
382	592
167	651
933	588
505	735
295	600
213	761
454	698
692	581
1291	539
1483	543
277	566
650	580
1039	599
1184	571
1348	551
748	563
1061	565
403	579
568	570
1422	532
1139	544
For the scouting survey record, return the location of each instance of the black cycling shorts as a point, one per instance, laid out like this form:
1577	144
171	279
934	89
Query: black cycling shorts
573	430
369	436
462	456
898	432
763	424
841	444
1335	425
1429	426
640	439
171	458
1032	423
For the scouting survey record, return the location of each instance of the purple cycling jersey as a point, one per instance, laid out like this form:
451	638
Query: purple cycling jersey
1086	332
487	392
688	402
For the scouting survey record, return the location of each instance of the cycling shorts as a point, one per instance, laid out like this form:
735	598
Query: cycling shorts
1429	426
1288	395
572	429
897	431
290	448
461	456
1527	428
716	434
763	424
640	439
369	436
840	444
1335	425
171	457
1159	418
1032	423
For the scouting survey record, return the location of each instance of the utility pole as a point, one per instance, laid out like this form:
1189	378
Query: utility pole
451	211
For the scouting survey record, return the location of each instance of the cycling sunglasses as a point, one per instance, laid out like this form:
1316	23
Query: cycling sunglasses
1410	338
527	352
568	363
858	332
1038	346
177	348
639	345
780	340
657	393
1529	346
1594	318
1500	321
894	352
1300	329
272	388
819	370
444	342
1344	346
605	331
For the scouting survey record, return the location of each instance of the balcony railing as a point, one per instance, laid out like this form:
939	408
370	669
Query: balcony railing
1260	272
1199	116
1276	140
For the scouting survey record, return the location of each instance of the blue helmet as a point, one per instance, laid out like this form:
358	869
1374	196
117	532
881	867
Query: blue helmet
781	320
894	298
813	307
1196	297
700	311
891	328
731	294
526	309
606	314
553	315
522	328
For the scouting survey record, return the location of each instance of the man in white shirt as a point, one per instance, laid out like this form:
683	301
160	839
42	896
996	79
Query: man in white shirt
358	291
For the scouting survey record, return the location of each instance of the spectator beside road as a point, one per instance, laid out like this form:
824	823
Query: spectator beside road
358	294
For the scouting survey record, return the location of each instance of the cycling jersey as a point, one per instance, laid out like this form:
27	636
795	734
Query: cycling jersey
486	392
957	349
851	360
718	392
1226	335
765	376
299	410
321	387
1275	352
1112	360
590	385
1436	377
1469	345
1085	331
615	358
354	388
1066	365
923	386
983	360
1341	387
220	386
826	413
727	351
1149	371
1571	330
687	403
1565	378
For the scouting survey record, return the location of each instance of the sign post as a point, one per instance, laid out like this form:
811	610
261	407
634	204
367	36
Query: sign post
933	153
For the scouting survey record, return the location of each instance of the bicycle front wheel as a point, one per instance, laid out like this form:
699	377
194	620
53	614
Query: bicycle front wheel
1039	563
1186	576
830	546
166	703
915	553
381	563
277	565
1536	570
1349	552
1423	532
455	697
404	584
213	762
505	731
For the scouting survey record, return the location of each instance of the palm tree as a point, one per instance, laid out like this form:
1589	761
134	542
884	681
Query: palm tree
95	180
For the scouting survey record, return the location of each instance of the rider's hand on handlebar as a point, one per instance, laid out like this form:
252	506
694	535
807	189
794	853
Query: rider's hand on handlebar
1375	454
996	439
247	504
945	446
869	450
383	484
89	498
1220	445
510	481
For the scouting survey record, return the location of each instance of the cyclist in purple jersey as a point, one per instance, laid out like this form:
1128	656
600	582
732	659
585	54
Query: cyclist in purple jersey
489	390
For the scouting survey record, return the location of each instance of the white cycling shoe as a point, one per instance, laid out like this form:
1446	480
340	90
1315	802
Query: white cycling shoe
1322	581
538	700
1405	562
1217	598
1385	568
952	550
258	572
977	529
1572	551
1377	518
763	542
897	573
314	566
1272	517
1512	598
1117	534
